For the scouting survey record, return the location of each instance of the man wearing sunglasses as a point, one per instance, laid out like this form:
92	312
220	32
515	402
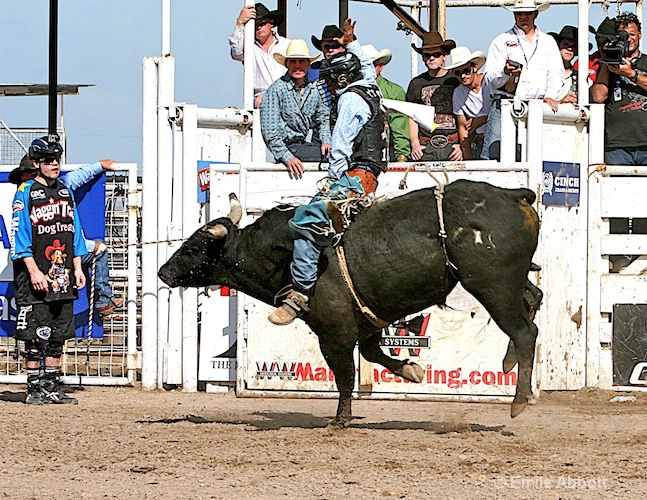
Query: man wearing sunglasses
266	43
471	100
46	249
522	62
434	87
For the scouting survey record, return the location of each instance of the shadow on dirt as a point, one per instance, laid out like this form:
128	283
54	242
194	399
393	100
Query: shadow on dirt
275	421
13	397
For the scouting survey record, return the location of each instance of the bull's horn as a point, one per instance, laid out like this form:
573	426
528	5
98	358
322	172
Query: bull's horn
217	231
236	212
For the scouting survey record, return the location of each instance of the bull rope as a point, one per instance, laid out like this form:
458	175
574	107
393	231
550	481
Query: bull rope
366	311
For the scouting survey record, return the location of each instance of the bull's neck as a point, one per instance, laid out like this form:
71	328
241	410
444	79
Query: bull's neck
249	272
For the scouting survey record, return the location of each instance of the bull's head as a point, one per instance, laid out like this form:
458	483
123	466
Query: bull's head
193	264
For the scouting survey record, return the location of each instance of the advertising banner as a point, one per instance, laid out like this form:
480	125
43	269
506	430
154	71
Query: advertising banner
91	205
560	184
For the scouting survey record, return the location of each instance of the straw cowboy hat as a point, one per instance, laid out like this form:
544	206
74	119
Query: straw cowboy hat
263	12
297	49
382	57
462	55
526	6
330	32
432	40
26	165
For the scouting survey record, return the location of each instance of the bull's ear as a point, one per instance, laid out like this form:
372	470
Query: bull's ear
217	231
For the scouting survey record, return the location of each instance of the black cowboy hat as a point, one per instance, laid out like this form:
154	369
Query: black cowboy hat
433	40
569	32
263	12
330	32
605	31
26	165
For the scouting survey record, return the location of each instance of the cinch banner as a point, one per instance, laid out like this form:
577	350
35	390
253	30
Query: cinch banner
560	184
90	199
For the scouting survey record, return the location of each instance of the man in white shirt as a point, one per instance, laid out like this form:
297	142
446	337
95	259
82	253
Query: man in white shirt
523	62
471	100
266	43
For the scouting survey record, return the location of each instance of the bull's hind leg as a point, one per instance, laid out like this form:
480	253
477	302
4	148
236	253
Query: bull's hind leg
370	349
340	360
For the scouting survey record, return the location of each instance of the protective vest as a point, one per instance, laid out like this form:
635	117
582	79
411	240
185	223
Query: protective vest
371	144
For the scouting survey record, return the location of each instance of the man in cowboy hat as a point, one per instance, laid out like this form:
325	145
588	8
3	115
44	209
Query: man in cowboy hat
434	87
522	62
291	108
471	100
400	146
45	219
266	43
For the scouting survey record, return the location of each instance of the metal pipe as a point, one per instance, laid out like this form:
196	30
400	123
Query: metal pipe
433	15
190	223
229	117
282	5
131	325
53	69
149	222
343	12
583	54
166	27
248	66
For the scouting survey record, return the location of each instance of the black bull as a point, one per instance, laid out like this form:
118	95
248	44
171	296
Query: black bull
398	267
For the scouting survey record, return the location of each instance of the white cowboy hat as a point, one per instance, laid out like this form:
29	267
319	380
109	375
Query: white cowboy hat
297	49
462	55
382	57
526	6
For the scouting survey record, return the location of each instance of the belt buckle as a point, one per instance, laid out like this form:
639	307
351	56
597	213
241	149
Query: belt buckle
439	141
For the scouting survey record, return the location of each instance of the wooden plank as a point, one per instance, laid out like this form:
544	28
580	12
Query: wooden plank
622	289
623	197
624	244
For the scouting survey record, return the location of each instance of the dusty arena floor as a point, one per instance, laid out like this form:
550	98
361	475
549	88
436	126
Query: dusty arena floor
125	443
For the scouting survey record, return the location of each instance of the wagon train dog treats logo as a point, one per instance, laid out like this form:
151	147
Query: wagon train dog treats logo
560	184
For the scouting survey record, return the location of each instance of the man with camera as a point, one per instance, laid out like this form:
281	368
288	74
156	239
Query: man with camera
621	84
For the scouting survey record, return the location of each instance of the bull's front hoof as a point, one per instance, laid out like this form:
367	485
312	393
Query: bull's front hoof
413	373
338	425
517	408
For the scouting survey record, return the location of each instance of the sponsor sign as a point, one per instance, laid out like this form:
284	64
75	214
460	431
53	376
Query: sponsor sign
91	202
630	344
560	184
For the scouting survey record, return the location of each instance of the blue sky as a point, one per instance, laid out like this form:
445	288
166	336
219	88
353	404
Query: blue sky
104	43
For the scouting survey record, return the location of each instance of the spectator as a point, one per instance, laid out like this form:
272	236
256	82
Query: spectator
105	302
471	100
293	107
606	28
46	250
567	43
523	62
357	158
434	87
266	44
399	144
328	45
623	90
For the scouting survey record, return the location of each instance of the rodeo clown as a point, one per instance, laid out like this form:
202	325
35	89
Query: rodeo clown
46	249
357	156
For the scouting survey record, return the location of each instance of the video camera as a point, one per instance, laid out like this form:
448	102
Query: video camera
616	49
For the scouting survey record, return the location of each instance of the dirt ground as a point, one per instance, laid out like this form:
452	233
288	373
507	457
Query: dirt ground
125	443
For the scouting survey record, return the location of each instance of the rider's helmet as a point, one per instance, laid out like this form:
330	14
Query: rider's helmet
44	148
340	70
